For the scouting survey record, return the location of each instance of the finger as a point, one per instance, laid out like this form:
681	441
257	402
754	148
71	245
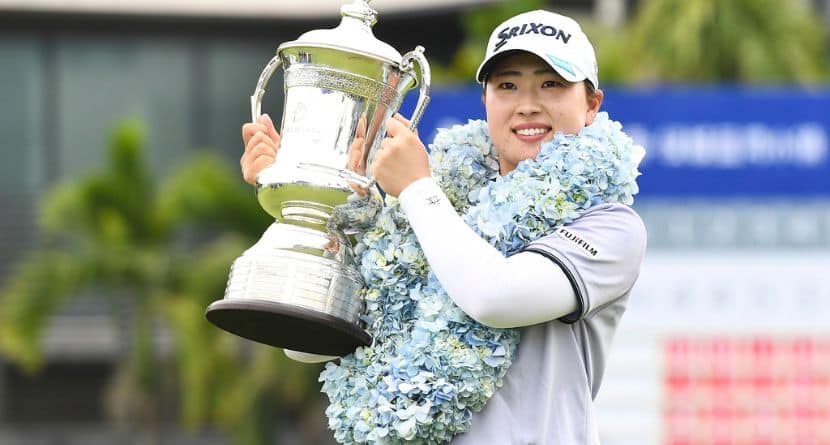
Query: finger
259	144
260	162
407	123
269	124
254	166
403	119
255	151
250	129
356	163
263	148
358	189
261	138
360	131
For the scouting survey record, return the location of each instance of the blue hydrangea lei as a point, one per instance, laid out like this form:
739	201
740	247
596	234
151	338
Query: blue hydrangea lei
430	366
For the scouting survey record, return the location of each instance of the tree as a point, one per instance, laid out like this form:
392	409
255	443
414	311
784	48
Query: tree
478	23
755	41
157	256
749	41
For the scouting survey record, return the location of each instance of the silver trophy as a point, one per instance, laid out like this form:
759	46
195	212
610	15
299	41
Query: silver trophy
298	286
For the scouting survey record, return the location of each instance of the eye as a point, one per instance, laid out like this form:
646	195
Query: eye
551	84
507	86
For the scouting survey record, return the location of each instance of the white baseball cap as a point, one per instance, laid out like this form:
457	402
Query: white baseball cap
557	39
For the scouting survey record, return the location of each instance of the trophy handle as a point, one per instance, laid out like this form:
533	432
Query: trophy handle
256	98
417	55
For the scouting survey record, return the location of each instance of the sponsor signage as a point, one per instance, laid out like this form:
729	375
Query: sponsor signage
702	141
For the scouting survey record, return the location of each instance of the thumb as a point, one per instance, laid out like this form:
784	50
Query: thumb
394	127
269	124
400	117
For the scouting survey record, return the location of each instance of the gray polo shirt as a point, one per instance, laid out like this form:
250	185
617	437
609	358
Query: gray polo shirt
548	392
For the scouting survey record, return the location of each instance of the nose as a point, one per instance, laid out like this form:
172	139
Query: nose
528	105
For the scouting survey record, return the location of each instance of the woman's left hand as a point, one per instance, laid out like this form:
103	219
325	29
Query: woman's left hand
402	158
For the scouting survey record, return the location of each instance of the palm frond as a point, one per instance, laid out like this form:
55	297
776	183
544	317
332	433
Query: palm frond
758	41
35	292
208	193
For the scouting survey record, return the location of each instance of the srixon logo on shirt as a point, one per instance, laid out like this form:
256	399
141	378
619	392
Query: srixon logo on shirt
531	28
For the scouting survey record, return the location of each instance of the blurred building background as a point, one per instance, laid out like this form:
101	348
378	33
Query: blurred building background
727	340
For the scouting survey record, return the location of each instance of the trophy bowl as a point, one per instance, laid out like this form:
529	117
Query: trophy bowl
299	286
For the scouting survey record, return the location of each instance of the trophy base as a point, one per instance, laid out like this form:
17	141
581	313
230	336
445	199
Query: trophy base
287	326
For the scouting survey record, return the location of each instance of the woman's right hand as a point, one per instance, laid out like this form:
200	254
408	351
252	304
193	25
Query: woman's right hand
261	144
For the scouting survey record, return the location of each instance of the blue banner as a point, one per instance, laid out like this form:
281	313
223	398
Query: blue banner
701	141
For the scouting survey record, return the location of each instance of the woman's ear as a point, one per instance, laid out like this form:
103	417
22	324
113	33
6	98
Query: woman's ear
594	102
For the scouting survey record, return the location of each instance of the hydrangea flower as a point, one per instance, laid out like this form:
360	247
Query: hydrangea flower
430	366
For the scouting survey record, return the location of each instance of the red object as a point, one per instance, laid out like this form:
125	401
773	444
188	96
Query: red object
746	391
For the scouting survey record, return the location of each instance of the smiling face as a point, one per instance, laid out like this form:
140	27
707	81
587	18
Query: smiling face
527	102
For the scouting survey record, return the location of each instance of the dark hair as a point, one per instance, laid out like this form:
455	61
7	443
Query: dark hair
590	89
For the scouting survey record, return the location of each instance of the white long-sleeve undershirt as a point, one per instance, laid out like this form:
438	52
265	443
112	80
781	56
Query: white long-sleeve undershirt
498	291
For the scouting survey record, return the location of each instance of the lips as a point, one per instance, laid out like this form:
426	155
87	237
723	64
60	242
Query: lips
531	132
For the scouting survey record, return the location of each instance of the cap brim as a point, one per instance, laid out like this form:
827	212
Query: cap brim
487	64
562	67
